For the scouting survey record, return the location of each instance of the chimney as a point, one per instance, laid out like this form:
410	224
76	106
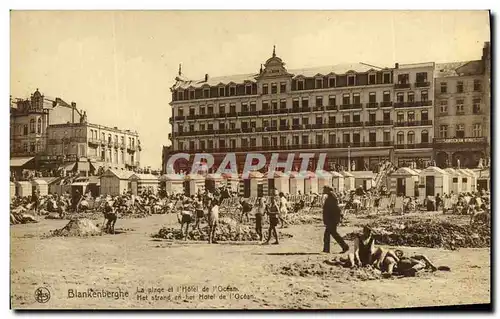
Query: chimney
206	77
396	65
73	108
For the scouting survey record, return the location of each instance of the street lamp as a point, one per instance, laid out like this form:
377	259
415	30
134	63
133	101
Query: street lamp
349	157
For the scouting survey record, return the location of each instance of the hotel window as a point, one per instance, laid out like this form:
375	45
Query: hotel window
202	127
191	112
331	120
222	92
253	107
191	94
232	125
296	121
319	120
387	78
222	143
232	91
331	82
305	139
210	110
421	77
411	116
305	102
443	131
400	117
244	142
210	127
253	142
424	115
181	145
411	97
274	141
39	126
346	99
191	127
356	99
244	125
424	137
411	137
265	89
25	147
32	126
283	123
460	87
372	117
202	145
424	96
300	85
295	140
403	78
319	139
477	130
372	137
372	79
332	140
305	121
248	89
274	88
265	123
356	138
202	110
265	141
274	123
372	97
283	87
332	100
295	103
244	107
444	87
319	101
351	80
347	138
222	125
180	95
253	124
477	85
103	136
282	104
387	96
460	106
400	97
32	146
206	93
210	144
181	112
476	106
460	131
387	136
274	105
319	83
109	138
222	109
192	147
356	118
232	143
232	108
346	118
283	140
443	107
265	105
400	138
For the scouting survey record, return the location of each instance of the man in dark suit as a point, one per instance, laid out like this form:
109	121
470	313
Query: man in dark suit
331	219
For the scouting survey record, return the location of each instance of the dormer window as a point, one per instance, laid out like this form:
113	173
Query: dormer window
372	79
232	91
282	87
351	80
265	89
206	93
248	89
319	83
180	95
222	92
331	82
387	78
191	94
300	85
274	88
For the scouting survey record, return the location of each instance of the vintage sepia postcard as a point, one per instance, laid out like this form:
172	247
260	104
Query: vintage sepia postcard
250	159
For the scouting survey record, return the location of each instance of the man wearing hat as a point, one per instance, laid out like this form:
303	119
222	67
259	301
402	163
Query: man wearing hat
331	219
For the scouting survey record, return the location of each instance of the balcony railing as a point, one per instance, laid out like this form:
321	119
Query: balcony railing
179	118
402	85
351	106
349	124
94	141
372	105
413	123
413	104
318	108
413	146
386	104
378	123
422	84
332	108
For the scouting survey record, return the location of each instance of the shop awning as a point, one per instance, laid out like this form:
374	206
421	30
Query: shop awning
20	161
69	167
83	166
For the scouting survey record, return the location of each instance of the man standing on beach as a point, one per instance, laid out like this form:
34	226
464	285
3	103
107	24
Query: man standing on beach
331	219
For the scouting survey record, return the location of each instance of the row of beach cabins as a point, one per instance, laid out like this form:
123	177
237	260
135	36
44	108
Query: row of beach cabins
404	181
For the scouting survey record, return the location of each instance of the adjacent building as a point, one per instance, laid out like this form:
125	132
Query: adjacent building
462	114
353	112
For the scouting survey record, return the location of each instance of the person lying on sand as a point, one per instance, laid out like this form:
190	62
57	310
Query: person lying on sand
365	253
408	266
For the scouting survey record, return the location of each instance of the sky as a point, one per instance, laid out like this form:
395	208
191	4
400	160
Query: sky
119	65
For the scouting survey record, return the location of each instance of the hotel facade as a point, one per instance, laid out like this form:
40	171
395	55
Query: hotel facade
352	112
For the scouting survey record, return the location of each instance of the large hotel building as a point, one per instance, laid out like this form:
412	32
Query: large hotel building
355	112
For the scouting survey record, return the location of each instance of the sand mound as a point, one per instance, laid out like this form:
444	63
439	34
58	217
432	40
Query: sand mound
227	230
326	270
78	228
430	233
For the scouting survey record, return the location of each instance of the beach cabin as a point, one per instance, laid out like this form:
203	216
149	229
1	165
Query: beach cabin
337	181
296	183
115	182
473	176
364	179
435	181
194	184
12	189
213	182
310	183
174	183
39	185
143	182
279	181
454	180
483	179
232	181
254	185
467	180
24	188
404	181
349	181
324	179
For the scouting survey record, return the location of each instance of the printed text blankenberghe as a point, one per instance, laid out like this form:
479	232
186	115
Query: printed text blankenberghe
97	293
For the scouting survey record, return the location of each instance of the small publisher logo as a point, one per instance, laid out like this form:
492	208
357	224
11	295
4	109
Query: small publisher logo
42	295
